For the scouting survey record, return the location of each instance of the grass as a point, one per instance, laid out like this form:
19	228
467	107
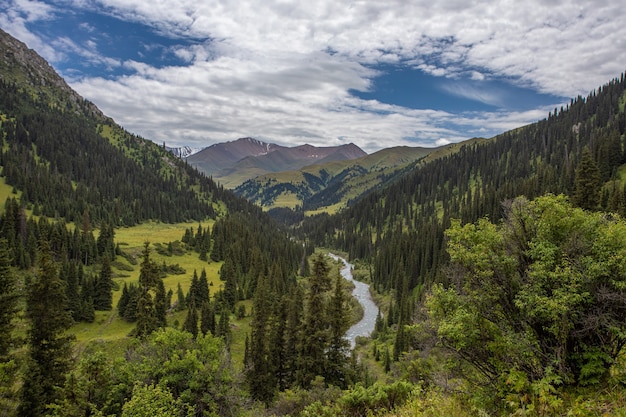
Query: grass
110	328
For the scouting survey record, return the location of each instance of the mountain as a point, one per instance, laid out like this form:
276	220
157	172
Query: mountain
400	228
328	186
26	68
183	151
65	158
231	163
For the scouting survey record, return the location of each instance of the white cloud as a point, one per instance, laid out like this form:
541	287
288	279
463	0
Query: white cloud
283	70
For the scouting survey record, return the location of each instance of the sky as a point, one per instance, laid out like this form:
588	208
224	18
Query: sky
325	72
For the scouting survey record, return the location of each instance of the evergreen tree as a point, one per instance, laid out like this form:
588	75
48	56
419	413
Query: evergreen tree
207	318
261	380
103	288
149	271
228	274
191	322
193	296
587	185
8	300
132	306
72	290
203	288
181	304
223	326
146	315
338	345
293	334
87	309
160	304
123	301
312	358
49	346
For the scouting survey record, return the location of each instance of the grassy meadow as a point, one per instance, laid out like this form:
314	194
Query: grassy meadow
109	328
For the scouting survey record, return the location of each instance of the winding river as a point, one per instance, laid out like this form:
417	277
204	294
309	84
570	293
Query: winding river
362	293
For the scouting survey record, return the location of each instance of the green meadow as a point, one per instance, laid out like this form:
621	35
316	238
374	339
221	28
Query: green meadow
113	331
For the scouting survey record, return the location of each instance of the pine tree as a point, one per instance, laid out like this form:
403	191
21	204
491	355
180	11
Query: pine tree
180	296
146	314
87	310
223	326
191	322
49	346
160	304
228	274
203	288
8	299
259	375
72	290
103	288
123	301
193	296
587	183
147	318
293	334
312	358
338	348
207	318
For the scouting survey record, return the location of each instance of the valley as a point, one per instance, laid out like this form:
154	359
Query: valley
485	277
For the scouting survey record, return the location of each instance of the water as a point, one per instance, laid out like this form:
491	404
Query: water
361	292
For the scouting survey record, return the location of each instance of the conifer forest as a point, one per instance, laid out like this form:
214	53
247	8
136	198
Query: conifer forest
498	270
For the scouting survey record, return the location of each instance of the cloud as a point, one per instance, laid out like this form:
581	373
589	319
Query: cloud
283	70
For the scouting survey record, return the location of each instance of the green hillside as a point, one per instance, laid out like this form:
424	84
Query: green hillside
332	186
132	285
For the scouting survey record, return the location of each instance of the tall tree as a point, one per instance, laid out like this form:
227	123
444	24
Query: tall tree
261	380
8	300
103	288
587	185
207	318
312	358
191	321
338	347
49	346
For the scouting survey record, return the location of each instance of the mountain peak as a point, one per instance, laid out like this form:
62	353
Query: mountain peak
236	161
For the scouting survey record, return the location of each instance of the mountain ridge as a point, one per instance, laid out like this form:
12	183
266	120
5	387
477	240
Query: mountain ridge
231	163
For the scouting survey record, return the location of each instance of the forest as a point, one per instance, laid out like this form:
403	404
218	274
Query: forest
499	271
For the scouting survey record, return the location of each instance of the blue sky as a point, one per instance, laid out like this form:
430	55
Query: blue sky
378	74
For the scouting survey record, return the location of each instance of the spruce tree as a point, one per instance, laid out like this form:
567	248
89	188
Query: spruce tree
49	347
72	290
338	348
587	183
228	274
259	375
103	288
207	318
181	304
8	300
146	314
160	304
191	322
203	288
312	358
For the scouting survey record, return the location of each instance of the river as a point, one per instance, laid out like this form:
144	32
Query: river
361	292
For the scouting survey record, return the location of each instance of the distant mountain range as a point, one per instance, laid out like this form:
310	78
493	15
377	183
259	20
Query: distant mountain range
232	163
330	186
183	151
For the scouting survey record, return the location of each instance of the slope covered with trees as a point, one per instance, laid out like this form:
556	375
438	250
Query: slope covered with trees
400	229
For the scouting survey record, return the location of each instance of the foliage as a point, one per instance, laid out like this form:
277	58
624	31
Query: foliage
154	401
49	348
535	303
